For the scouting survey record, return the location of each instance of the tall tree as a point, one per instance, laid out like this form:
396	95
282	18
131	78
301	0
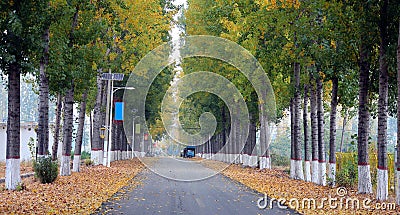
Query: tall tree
314	130
79	134
65	168
43	123
57	127
321	123
332	131
19	42
382	176
307	154
364	172
298	166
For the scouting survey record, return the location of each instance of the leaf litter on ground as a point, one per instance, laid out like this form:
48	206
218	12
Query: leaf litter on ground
79	193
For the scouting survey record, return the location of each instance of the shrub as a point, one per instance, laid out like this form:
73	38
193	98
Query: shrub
279	160
45	169
85	155
347	176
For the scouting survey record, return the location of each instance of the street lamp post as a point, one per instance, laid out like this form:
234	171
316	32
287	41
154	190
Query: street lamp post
114	89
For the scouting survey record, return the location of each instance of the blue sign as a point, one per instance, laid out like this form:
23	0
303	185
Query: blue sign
119	111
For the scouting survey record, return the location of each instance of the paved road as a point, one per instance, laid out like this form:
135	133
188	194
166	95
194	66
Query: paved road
161	195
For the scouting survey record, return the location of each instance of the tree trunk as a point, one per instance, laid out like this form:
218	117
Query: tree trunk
43	122
307	155
314	131
332	132
265	160
292	154
13	177
57	126
321	144
364	173
253	159
67	132
296	127
398	122
79	135
97	146
382	171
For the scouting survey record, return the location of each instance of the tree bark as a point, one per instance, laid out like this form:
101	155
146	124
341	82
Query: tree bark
332	131
79	134
321	144
57	127
314	131
299	174
292	153
13	177
307	155
97	146
398	122
65	169
43	122
382	171
364	175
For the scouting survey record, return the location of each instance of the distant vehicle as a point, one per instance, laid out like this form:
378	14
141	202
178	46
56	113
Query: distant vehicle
188	152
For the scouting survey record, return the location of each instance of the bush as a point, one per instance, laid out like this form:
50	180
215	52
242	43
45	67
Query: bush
279	160
45	169
347	176
85	155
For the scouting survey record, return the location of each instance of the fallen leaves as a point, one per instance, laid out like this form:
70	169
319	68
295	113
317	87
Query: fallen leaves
277	184
80	193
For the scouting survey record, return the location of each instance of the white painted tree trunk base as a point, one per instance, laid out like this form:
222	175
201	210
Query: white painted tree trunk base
119	155
13	176
314	171
236	158
65	169
332	174
246	160
76	166
265	163
298	170
97	157
218	156
142	154
292	168
307	171
398	187
382	189
322	173
364	179
136	154
253	161
240	158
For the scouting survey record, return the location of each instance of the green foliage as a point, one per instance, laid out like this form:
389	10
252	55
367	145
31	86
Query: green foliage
347	174
280	160
85	155
45	169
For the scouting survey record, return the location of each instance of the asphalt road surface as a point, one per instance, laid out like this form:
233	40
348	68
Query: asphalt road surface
164	195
